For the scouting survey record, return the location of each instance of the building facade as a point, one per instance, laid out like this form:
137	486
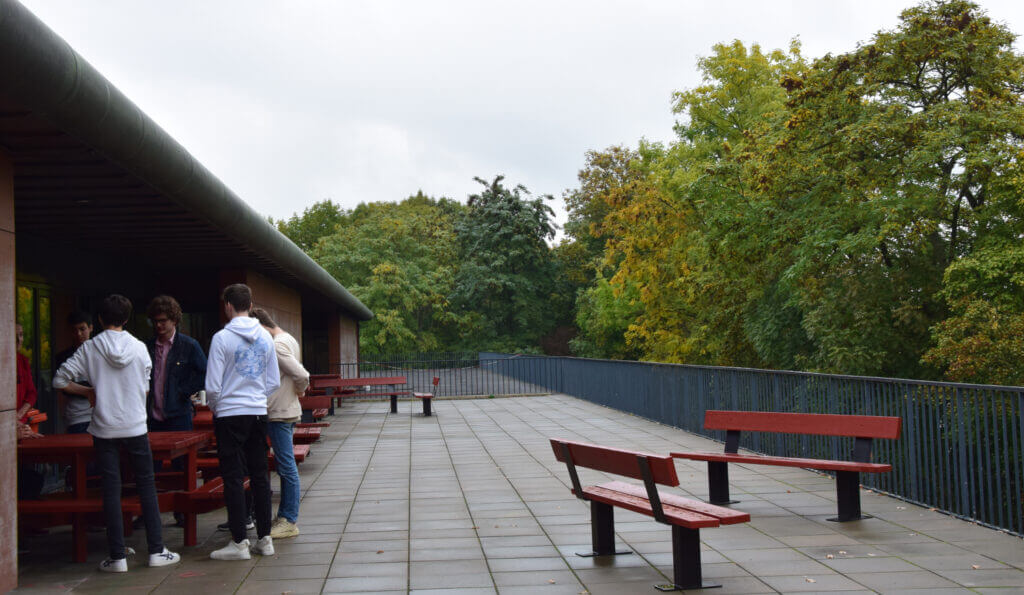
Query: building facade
95	198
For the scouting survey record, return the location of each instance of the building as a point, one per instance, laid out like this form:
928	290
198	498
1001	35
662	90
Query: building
95	198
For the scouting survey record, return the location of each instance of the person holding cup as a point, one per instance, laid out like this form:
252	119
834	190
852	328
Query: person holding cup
179	368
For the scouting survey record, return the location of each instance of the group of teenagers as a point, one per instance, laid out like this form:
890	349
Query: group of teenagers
119	389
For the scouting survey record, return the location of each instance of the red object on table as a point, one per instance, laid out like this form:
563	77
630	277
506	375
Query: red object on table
77	450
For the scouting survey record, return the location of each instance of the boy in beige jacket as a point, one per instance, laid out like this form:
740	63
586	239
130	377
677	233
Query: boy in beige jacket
283	410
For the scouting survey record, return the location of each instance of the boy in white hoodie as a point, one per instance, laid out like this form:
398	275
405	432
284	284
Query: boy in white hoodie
117	365
241	373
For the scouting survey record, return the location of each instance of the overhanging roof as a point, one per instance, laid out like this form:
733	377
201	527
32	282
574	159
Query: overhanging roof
91	168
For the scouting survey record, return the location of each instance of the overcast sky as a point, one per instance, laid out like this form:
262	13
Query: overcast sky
294	102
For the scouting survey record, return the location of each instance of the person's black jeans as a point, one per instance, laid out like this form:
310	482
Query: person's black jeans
108	462
241	450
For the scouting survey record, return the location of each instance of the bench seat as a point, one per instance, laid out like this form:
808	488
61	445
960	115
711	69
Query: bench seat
820	464
65	505
680	511
306	435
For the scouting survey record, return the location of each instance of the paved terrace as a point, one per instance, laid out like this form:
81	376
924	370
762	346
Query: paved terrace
472	501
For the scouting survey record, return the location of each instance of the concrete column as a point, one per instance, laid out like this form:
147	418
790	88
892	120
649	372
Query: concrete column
8	382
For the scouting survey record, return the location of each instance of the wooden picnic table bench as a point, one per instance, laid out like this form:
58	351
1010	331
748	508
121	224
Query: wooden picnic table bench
686	517
303	434
336	386
77	450
863	428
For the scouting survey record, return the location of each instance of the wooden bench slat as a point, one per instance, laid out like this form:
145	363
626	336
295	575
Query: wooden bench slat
616	461
676	516
725	516
819	424
821	464
165	500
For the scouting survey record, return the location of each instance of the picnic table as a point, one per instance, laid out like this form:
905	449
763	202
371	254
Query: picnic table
77	450
336	386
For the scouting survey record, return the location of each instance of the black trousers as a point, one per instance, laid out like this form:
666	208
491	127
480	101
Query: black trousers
108	461
241	451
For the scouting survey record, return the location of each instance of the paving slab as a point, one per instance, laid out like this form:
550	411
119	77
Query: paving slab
471	500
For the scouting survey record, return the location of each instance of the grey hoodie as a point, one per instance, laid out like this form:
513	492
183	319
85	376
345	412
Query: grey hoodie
241	371
118	366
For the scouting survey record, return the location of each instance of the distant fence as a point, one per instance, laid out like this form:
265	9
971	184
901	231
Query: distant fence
962	449
462	374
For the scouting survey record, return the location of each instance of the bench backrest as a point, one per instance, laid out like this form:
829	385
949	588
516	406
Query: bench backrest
616	461
820	424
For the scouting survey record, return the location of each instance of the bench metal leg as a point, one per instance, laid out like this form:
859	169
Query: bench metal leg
718	483
686	561
848	494
394	403
426	406
307	416
602	531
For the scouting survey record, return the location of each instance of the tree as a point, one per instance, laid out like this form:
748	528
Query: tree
400	260
315	222
506	274
897	160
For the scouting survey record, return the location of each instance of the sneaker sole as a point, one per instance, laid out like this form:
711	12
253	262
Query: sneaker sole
284	534
245	556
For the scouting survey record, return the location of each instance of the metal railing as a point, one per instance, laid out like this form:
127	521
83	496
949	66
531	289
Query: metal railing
962	449
461	374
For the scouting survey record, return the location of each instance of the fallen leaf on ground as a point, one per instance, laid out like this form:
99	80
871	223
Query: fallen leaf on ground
829	556
811	580
975	566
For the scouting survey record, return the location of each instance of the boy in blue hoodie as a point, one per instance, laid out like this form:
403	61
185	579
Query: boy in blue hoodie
241	373
117	366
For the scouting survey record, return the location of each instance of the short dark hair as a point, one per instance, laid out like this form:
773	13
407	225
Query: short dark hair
166	305
115	310
263	316
78	317
239	296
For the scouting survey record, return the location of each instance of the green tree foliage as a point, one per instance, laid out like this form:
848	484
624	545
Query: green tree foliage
849	214
506	275
315	222
399	259
894	163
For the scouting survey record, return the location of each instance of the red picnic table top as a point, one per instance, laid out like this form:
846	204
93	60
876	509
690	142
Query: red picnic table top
167	445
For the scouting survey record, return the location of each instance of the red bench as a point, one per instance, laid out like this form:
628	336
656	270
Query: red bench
686	517
863	428
425	398
336	386
305	435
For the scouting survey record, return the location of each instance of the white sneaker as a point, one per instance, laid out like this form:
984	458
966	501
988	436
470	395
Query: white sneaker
110	565
232	551
164	558
265	546
283	528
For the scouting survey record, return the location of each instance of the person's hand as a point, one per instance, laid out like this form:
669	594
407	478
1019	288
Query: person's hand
24	431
